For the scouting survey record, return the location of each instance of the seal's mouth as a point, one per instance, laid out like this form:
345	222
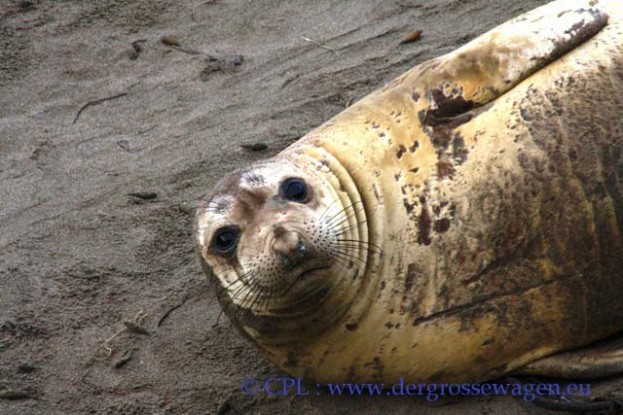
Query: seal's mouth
312	272
306	278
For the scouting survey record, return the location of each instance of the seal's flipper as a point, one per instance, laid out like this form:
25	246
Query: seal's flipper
599	360
495	62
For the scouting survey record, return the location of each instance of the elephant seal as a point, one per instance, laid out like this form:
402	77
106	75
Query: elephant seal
460	223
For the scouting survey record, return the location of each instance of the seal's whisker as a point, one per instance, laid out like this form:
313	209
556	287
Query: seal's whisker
348	212
346	262
352	208
238	279
245	284
337	225
369	245
327	210
264	299
237	292
352	247
255	300
345	230
349	259
348	251
226	287
251	296
244	278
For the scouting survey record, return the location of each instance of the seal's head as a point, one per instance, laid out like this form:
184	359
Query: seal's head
284	249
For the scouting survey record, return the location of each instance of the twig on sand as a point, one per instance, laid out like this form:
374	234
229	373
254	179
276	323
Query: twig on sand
320	45
96	102
107	347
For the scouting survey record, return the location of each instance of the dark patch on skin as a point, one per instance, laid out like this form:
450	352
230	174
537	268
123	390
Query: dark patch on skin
442	225
324	356
582	33
401	150
397	176
576	27
410	278
408	206
414	170
377	366
445	169
457	121
525	115
459	151
382	285
447	108
381	135
389	325
414	146
441	139
424	225
452	210
352	326
415	96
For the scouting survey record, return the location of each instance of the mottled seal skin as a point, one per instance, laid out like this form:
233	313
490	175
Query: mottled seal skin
463	221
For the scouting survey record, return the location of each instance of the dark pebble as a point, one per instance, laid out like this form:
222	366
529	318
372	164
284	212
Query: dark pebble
144	195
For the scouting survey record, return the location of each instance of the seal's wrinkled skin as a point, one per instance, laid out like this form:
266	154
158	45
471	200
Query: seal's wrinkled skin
455	225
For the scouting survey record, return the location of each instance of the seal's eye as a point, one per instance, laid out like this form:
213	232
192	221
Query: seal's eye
294	190
225	239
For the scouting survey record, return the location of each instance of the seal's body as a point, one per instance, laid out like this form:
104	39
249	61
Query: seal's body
461	222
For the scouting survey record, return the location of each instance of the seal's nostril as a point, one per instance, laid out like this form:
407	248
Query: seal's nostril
303	248
290	247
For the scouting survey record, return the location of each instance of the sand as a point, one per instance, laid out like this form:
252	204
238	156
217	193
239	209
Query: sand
104	148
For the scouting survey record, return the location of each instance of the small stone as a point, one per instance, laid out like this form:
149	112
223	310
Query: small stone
170	40
412	37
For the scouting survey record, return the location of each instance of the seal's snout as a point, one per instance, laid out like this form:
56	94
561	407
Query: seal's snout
290	247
